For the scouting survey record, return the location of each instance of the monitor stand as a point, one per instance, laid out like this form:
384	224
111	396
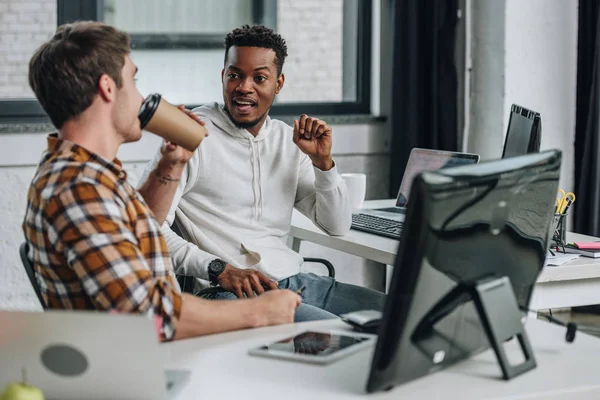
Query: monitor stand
500	316
501	319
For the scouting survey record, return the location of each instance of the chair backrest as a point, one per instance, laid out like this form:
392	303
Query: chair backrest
23	250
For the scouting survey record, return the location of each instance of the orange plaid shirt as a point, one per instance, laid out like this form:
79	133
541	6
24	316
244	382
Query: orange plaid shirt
94	241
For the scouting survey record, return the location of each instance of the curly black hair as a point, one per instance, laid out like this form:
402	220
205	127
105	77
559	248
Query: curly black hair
258	36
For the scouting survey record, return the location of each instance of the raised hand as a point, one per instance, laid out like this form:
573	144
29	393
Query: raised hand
314	138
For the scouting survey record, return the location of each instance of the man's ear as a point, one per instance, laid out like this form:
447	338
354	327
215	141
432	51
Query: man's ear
280	81
222	74
107	88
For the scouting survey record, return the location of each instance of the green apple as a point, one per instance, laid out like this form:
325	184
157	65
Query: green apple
21	391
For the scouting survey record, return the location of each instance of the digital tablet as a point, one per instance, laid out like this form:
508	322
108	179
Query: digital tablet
315	347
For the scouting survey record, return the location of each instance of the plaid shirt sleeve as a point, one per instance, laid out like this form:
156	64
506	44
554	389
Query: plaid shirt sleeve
88	224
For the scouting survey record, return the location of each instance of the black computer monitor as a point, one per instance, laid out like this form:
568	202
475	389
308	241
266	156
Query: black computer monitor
474	242
524	132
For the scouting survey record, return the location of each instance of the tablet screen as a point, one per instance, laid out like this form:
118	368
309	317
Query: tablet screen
315	343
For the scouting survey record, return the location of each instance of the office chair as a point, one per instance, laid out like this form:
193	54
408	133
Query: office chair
23	250
187	282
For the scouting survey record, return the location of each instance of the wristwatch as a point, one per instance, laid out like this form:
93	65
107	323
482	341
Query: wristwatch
215	267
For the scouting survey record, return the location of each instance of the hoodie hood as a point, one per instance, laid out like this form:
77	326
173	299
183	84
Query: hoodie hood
219	117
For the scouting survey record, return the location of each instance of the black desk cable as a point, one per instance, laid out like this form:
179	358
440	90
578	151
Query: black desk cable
571	326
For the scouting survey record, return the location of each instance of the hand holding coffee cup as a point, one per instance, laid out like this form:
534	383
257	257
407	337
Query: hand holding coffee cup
174	154
171	123
356	185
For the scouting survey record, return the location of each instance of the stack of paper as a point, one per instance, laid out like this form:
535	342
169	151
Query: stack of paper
559	259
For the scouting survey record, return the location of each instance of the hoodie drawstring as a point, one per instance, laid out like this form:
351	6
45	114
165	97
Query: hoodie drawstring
256	180
260	191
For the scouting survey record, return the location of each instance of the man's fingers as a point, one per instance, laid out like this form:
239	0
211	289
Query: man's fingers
301	123
237	290
298	299
197	118
256	286
185	110
168	146
296	131
265	281
248	288
293	296
308	128
320	128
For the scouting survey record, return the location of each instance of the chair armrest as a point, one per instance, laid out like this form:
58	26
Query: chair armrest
186	283
330	268
209	290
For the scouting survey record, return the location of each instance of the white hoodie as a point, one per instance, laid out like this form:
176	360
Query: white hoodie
236	197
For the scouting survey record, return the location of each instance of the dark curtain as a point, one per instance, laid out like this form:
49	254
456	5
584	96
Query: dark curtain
587	144
424	80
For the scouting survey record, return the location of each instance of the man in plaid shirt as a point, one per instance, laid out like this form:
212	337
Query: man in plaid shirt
94	241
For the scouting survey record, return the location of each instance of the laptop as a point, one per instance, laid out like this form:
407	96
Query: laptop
524	132
388	221
73	355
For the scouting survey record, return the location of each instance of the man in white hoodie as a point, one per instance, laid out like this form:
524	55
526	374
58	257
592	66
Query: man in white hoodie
235	199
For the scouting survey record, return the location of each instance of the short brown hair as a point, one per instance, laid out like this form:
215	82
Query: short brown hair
64	72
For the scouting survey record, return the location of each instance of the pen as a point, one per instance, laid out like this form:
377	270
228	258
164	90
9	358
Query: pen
299	291
569	202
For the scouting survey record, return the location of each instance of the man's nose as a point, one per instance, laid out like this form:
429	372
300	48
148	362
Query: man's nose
245	86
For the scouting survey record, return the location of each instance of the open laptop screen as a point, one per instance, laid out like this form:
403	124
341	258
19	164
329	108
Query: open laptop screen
524	132
422	160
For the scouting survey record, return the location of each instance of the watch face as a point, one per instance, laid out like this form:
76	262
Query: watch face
215	268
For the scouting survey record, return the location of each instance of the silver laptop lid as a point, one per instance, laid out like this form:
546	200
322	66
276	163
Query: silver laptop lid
421	160
82	355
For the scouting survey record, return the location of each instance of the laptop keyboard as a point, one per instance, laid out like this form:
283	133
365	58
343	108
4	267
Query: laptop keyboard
377	225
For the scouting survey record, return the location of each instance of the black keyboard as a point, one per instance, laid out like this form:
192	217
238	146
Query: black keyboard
377	225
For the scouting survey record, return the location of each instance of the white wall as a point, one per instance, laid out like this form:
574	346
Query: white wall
541	71
24	25
313	32
487	78
524	52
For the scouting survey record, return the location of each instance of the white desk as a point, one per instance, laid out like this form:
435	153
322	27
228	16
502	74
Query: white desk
576	283
221	369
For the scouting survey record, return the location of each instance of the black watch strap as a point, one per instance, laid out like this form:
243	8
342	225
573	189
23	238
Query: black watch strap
215	268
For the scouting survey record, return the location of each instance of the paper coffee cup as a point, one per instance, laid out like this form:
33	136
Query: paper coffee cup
356	185
167	121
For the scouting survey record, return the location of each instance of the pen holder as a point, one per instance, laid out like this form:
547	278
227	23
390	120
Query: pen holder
559	231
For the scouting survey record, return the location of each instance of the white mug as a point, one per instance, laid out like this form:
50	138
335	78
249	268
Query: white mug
357	189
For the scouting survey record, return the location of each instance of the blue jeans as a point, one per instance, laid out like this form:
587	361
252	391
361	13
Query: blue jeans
324	297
